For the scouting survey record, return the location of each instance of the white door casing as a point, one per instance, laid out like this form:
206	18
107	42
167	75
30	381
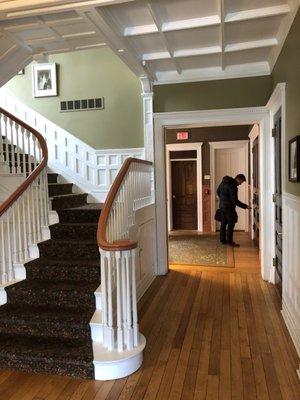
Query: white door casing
226	117
254	133
181	147
229	158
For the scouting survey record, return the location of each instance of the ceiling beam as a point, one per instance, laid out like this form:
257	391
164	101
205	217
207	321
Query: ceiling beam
100	22
257	13
255	44
163	37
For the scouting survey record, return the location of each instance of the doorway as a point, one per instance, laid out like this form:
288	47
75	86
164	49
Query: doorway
230	158
184	194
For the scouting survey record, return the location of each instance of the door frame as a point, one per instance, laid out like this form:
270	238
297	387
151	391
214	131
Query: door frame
253	135
277	101
219	117
230	144
184	147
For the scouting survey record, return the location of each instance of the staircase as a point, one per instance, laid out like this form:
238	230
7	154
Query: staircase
45	323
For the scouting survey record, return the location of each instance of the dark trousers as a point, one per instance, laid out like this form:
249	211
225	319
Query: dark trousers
228	221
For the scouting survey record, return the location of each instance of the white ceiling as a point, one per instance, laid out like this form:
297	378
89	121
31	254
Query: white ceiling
168	40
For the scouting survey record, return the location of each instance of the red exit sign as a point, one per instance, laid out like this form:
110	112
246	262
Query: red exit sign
182	135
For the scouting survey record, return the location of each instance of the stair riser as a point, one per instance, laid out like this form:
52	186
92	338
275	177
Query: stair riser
51	298
75	251
79	216
60	274
49	366
85	232
56	190
52	178
74	201
45	329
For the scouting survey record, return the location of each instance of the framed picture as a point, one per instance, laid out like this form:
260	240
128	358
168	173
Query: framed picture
44	80
294	159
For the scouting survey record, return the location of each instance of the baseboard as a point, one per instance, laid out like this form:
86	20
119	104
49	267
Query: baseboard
293	327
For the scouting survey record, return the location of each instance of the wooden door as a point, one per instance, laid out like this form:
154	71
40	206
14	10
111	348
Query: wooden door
184	194
278	202
255	200
232	161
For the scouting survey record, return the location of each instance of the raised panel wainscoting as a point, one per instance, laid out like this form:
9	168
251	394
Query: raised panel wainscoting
291	267
92	170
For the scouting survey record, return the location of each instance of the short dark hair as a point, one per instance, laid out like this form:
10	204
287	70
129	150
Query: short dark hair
241	177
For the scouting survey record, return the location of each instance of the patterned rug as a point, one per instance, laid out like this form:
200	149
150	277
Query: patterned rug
199	250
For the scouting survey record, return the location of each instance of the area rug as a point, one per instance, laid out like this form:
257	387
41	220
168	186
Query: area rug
203	250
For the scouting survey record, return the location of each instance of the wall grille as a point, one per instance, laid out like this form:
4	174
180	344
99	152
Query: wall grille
82	105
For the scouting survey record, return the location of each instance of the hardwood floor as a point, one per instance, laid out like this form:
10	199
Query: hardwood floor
212	333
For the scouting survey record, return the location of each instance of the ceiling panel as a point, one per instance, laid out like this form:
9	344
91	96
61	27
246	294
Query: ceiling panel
174	10
194	38
245	31
242	5
168	40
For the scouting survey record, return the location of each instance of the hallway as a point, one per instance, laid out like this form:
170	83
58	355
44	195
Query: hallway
212	333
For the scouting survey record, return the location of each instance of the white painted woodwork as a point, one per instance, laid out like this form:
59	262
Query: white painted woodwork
230	158
254	133
200	118
180	147
8	184
177	41
125	275
291	267
24	223
93	171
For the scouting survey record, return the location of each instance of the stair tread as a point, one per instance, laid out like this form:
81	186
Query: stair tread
89	206
55	286
67	195
62	261
48	350
44	314
68	241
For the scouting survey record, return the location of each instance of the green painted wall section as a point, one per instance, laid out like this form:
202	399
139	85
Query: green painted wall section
90	74
287	69
226	93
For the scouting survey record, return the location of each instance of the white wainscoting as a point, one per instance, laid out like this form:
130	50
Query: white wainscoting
93	171
291	267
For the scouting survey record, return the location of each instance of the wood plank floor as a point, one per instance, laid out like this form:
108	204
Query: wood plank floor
212	333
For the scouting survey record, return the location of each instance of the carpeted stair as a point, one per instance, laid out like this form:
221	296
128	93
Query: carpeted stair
45	323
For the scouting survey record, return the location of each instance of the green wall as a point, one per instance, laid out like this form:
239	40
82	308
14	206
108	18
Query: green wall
287	69
226	93
90	74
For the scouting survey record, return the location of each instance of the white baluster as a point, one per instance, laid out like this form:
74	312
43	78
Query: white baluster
3	253
134	300
120	333
110	329
128	329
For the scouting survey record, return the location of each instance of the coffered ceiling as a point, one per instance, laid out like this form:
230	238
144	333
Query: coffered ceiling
167	40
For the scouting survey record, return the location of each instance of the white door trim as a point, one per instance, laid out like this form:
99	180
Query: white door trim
277	101
254	133
230	144
235	116
181	147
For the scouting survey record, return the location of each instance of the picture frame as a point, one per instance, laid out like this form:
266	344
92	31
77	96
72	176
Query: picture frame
294	159
44	80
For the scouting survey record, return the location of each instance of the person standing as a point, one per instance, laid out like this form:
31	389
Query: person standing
228	195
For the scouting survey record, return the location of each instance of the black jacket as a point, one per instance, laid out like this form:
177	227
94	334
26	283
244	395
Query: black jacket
228	194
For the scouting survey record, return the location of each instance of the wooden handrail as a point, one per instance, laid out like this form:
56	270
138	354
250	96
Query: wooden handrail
120	245
31	177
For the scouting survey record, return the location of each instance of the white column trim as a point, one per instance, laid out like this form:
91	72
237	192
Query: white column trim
177	147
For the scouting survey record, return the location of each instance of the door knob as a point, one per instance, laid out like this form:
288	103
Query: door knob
174	197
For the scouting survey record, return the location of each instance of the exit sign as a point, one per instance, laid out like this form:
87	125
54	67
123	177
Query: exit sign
182	135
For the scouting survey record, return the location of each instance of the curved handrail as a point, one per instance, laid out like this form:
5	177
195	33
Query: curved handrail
32	176
120	245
